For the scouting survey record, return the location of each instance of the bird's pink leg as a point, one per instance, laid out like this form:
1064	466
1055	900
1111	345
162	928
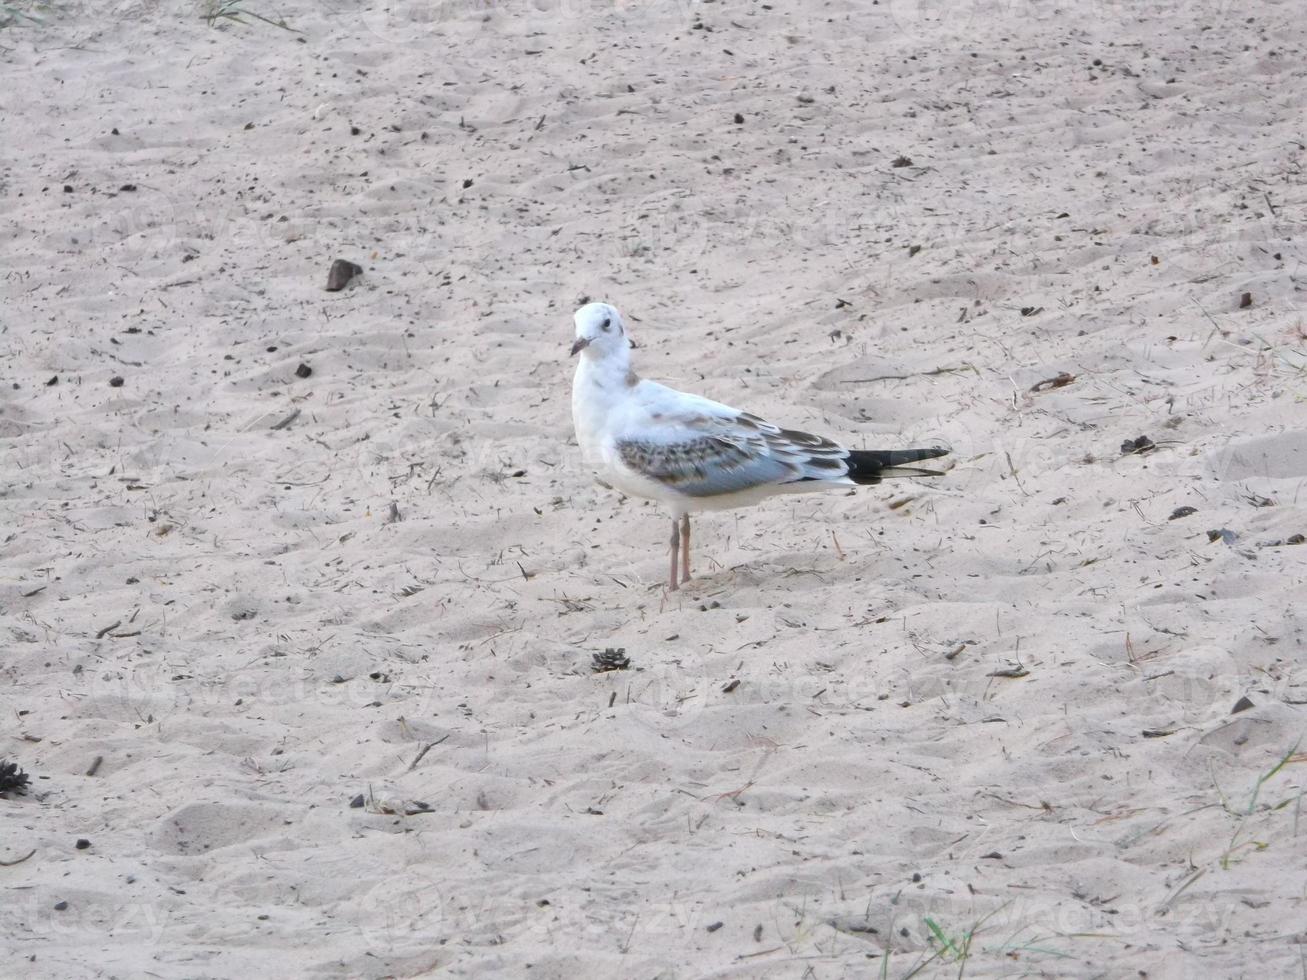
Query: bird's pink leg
685	548
676	543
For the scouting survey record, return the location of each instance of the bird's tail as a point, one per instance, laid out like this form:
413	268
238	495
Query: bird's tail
867	466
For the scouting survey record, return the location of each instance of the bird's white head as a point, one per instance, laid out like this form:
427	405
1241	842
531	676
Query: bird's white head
600	333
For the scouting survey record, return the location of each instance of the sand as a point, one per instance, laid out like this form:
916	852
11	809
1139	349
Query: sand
980	725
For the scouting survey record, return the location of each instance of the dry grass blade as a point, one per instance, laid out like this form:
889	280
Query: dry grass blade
219	10
10	15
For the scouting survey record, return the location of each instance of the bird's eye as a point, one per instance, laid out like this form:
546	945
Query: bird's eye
608	322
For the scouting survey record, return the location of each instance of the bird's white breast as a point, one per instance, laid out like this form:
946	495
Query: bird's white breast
606	407
589	412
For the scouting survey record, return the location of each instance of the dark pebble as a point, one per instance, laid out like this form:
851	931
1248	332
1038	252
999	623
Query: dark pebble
1245	301
1180	512
52	382
68	189
341	272
82	843
60	906
116	381
739	119
467	182
715	926
303	371
356	803
127	188
1243	704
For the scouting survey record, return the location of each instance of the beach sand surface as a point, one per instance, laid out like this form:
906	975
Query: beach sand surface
300	590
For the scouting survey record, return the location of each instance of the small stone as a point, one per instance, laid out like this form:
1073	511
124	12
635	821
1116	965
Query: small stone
1243	704
1180	512
356	803
467	182
739	119
901	161
116	381
60	906
82	843
303	371
341	272
1245	301
715	926
68	188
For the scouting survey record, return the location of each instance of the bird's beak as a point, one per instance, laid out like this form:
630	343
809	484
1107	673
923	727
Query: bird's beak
580	345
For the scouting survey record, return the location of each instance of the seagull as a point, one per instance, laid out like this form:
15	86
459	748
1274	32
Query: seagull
690	453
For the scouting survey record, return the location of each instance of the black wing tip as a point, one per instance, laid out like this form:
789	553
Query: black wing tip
868	466
916	455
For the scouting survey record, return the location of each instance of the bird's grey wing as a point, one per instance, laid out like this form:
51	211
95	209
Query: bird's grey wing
703	465
812	457
709	455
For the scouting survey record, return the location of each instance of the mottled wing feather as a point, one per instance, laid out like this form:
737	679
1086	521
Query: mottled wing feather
710	455
780	441
703	467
